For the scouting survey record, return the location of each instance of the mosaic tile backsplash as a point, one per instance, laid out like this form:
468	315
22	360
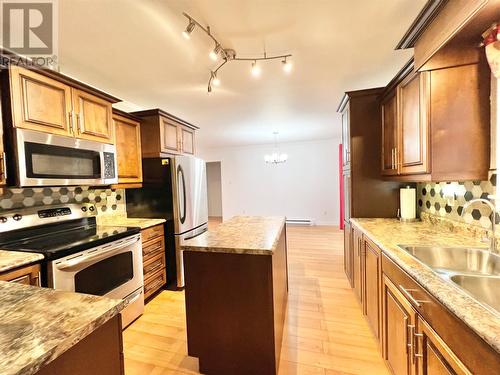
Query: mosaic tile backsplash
106	200
447	199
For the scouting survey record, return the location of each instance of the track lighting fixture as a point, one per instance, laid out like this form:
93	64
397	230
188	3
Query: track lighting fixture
256	69
189	29
229	55
287	65
214	54
215	79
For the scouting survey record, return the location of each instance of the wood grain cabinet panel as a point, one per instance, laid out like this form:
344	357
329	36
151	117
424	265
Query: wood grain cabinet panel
40	103
358	267
413	100
163	134
171	137
29	275
94	119
128	149
434	356
372	286
348	252
187	140
397	325
346	138
389	135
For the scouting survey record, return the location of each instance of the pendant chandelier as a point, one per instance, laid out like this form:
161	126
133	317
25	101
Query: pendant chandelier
276	157
227	55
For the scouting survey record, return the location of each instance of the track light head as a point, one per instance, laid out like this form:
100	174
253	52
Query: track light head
287	65
215	79
189	29
214	54
256	71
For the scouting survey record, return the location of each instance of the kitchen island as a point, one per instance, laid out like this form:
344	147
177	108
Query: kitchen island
236	294
45	331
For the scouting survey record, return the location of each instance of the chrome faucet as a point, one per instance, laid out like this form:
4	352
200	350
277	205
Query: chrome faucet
493	238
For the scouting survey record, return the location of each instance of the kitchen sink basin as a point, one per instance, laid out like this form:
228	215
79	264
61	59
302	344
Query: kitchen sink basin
457	259
477	271
485	289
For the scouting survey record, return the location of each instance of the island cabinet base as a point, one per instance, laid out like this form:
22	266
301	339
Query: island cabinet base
235	309
100	353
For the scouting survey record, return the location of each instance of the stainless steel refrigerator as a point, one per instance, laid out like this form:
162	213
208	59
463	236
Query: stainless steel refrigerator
174	189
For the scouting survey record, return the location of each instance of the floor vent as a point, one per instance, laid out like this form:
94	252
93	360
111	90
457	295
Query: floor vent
307	222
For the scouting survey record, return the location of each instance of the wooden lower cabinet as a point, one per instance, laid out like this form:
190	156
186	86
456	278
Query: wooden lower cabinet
373	271
153	258
357	264
100	353
348	259
29	275
398	320
418	335
433	356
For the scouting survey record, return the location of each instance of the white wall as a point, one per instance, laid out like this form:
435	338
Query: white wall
214	188
306	186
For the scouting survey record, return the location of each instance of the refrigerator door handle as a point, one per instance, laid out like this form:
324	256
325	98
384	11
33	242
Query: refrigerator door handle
182	194
196	235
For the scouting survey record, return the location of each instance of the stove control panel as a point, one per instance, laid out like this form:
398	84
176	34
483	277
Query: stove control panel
30	217
53	212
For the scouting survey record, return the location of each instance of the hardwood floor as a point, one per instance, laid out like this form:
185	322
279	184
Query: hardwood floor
326	332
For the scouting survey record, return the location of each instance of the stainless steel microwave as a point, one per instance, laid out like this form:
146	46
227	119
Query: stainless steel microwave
52	160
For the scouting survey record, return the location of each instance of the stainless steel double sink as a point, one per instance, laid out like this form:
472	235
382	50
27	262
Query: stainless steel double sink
477	271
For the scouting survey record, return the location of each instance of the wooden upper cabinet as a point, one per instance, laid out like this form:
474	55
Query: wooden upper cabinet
389	134
163	134
187	140
39	102
398	322
413	99
128	149
434	356
94	119
346	138
170	140
52	103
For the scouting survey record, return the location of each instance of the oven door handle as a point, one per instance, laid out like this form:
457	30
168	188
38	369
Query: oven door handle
70	265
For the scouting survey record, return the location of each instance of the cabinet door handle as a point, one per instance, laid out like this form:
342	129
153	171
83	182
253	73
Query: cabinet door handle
70	122
415	345
392	158
78	124
3	172
407	293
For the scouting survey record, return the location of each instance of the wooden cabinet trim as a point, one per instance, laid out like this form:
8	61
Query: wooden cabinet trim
422	165
121	147
105	132
19	79
453	331
30	274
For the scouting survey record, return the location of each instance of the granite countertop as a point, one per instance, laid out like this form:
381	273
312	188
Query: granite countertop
39	324
14	259
124	221
257	235
389	233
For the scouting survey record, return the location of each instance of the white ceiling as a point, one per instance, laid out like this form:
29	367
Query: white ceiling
134	50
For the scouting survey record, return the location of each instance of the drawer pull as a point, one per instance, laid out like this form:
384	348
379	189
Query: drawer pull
415	345
153	267
152	250
407	293
153	286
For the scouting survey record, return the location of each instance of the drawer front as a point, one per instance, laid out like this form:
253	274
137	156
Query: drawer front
155	282
455	333
29	275
156	263
151	233
152	248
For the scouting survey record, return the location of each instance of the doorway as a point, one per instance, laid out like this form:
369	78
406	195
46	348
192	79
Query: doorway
214	189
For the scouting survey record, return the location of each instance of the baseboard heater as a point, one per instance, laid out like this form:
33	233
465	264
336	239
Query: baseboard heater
299	222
